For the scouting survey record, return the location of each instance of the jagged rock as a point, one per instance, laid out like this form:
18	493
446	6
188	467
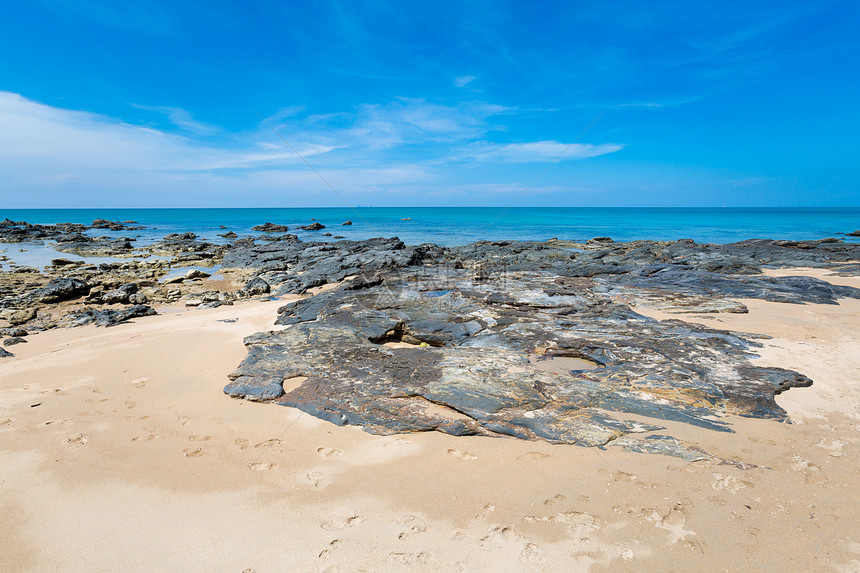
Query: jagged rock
257	286
5	353
228	235
350	223
271	228
108	317
853	234
12	341
120	295
313	227
60	289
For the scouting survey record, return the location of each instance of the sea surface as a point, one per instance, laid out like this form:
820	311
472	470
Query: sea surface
450	226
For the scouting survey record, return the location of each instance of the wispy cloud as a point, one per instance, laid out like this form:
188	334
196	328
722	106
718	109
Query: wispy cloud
182	119
463	81
404	146
536	151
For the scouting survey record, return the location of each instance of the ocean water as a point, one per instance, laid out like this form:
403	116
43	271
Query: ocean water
451	226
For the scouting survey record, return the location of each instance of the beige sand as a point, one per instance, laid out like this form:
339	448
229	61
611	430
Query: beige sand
120	453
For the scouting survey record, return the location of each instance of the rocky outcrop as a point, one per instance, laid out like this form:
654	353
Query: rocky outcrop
271	228
107	317
532	355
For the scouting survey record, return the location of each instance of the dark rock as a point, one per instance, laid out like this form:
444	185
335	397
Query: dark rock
257	286
108	317
12	341
13	331
271	228
853	234
228	235
313	227
5	353
121	295
60	289
350	223
482	373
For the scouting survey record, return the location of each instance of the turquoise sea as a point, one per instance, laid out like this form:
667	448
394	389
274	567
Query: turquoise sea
457	226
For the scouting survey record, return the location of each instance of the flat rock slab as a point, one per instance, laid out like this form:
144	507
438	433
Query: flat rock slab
433	348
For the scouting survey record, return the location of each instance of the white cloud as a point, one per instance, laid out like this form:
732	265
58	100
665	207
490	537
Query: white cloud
463	81
182	119
536	151
53	157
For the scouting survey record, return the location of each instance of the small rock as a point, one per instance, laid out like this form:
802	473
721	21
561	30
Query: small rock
350	223
193	302
313	227
196	274
12	341
257	286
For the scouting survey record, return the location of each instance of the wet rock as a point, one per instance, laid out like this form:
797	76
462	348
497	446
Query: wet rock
313	227
271	228
350	223
853	234
228	235
14	340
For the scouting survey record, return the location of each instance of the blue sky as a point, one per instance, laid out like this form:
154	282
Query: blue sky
184	104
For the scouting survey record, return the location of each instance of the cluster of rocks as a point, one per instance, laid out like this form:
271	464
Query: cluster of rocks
535	340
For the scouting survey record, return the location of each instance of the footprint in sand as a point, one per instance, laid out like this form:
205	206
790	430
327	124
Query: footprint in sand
262	466
532	456
145	438
411	525
397	442
242	443
813	473
501	536
79	439
673	522
317	479
531	553
196	438
52	422
329	452
555	499
326	553
461	455
192	452
723	482
338	523
10	421
270	443
398	558
139	382
130	404
93	401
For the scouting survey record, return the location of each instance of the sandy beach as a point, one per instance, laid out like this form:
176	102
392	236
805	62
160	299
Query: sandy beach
122	454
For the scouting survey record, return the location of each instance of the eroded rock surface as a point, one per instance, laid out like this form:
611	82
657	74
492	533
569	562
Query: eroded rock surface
465	351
